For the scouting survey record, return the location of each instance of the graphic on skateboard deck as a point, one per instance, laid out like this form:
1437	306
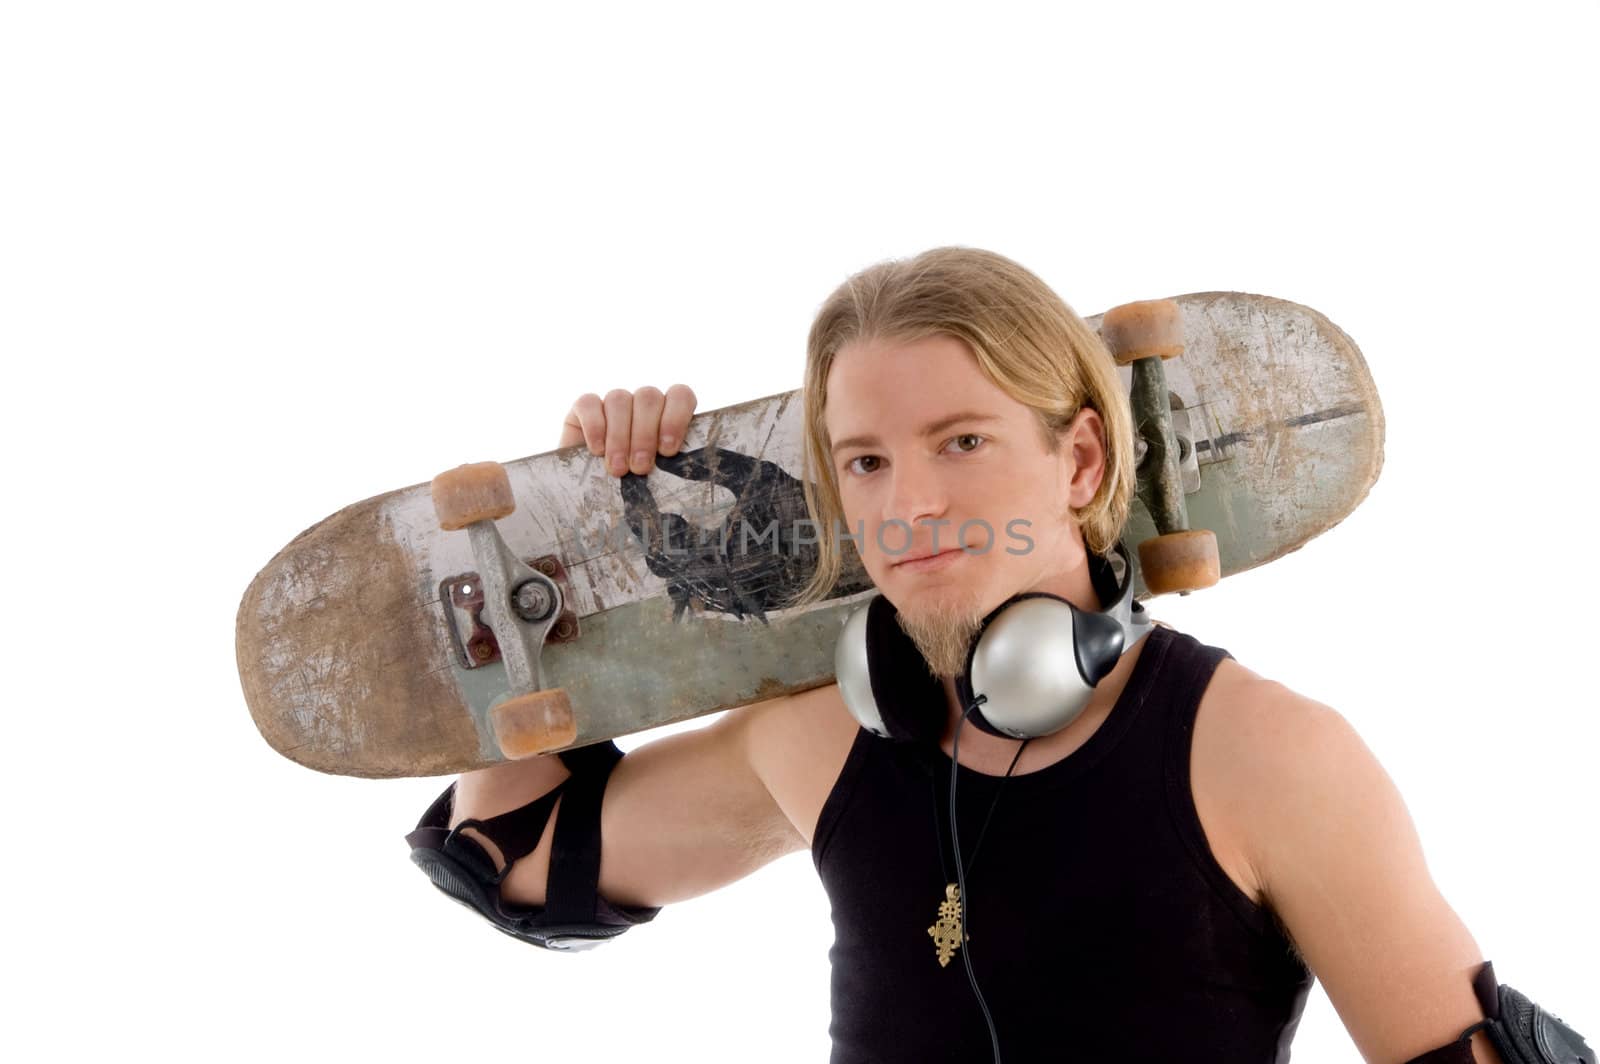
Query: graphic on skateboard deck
379	644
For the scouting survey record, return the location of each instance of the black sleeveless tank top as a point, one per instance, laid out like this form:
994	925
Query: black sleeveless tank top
1101	927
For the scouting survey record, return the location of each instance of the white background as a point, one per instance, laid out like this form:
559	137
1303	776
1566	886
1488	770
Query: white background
260	261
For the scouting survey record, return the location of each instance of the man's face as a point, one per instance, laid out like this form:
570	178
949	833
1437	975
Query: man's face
925	445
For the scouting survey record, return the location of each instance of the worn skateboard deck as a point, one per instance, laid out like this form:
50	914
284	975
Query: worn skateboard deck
362	652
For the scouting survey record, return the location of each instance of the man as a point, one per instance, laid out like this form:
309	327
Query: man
1166	872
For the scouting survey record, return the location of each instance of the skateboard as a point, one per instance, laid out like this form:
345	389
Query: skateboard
507	610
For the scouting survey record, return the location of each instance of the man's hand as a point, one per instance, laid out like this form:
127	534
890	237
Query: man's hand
630	428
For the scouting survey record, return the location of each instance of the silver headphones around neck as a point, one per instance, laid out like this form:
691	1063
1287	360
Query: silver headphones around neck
1035	661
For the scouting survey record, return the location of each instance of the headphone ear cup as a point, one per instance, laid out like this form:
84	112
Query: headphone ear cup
1025	662
882	678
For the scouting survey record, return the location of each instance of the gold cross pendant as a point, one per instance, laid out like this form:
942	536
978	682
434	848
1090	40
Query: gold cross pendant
946	932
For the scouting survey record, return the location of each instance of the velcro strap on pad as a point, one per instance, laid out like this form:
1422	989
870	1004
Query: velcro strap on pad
573	885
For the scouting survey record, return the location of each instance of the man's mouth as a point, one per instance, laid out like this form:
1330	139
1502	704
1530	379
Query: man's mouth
927	560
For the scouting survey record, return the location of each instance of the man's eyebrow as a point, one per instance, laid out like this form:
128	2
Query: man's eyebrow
931	429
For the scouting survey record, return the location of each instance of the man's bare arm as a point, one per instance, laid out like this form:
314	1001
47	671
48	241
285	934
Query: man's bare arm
1341	864
680	816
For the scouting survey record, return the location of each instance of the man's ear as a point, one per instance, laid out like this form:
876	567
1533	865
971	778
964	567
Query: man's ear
1083	456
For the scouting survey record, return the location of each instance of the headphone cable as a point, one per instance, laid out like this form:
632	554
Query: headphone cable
961	876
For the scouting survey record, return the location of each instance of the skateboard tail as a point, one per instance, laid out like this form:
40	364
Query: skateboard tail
341	665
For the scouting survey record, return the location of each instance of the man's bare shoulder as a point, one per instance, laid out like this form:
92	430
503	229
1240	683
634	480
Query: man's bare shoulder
1246	732
1248	727
1252	703
797	744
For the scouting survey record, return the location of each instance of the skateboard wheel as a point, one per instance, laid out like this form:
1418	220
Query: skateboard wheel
1180	561
1143	330
530	724
468	494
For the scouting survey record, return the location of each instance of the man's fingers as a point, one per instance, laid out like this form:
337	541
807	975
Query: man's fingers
647	404
619	430
630	428
675	416
585	423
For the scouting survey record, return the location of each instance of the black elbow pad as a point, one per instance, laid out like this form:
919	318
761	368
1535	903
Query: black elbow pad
574	916
1522	1032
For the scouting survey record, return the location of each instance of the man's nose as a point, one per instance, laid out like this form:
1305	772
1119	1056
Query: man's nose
916	493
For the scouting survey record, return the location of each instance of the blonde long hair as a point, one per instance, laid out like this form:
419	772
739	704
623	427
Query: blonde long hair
1026	339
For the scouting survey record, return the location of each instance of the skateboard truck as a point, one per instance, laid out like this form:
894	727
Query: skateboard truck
520	602
1143	335
474	641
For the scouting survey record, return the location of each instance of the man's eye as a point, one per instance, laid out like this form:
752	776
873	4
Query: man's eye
976	439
